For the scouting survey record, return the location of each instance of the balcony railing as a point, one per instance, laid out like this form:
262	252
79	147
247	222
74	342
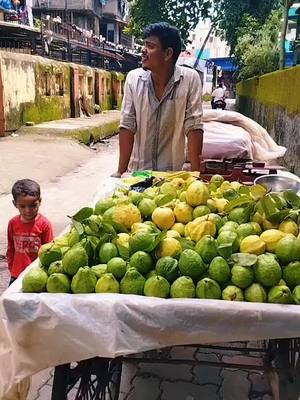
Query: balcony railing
87	5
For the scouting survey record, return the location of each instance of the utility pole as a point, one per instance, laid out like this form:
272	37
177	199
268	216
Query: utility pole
68	31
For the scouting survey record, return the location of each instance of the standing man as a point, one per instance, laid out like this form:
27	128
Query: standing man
161	107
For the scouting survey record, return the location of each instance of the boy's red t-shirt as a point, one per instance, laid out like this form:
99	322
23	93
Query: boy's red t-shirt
24	241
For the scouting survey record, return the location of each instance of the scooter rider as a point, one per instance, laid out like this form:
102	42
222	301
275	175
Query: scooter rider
218	95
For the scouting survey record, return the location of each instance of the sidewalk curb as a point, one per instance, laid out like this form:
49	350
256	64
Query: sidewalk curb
84	130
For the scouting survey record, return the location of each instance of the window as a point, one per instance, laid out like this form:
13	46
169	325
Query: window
107	86
110	33
90	85
47	84
81	85
59	84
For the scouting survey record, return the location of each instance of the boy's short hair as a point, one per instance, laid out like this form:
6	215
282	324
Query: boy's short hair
168	35
26	187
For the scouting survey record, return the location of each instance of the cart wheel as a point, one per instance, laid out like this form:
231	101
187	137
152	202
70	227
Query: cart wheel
93	379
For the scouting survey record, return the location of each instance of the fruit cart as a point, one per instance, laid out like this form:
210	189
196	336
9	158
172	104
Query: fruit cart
103	330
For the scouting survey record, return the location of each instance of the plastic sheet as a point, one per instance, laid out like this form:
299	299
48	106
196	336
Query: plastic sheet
43	330
262	147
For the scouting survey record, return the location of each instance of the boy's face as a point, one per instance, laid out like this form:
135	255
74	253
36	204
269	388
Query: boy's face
154	56
28	207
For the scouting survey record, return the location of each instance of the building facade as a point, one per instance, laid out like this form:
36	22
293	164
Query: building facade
215	48
98	17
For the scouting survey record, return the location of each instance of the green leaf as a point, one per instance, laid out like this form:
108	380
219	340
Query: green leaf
258	191
159	237
83	214
244	259
278	217
269	206
106	237
278	201
164	199
78	226
108	228
94	241
240	202
244	189
292	198
225	250
186	243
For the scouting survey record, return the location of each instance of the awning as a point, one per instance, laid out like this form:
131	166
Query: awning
226	63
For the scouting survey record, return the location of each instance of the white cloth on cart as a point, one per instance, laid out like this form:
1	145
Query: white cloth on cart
237	133
38	331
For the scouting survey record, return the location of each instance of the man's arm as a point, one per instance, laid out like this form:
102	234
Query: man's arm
193	121
126	140
127	129
195	144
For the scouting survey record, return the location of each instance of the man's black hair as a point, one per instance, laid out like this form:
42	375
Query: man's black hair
220	84
26	187
168	35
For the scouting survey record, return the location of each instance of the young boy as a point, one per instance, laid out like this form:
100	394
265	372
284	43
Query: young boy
29	230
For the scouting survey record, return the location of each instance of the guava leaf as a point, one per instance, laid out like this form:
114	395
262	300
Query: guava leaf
244	189
225	250
78	226
292	198
240	202
83	214
278	217
258	191
278	201
108	228
269	206
159	237
164	199
106	237
186	243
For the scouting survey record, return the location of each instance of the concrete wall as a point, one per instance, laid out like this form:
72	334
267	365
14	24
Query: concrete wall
118	80
273	101
36	89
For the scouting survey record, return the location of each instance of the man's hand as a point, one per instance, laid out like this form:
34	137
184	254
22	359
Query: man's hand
116	175
195	143
126	140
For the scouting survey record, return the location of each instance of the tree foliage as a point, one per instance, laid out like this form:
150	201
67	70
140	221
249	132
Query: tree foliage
257	50
184	15
230	13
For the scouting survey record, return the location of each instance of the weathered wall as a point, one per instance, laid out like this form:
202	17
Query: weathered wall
34	89
273	100
118	88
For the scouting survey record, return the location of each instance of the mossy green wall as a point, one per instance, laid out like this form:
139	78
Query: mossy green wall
31	95
117	86
106	94
48	107
273	100
279	88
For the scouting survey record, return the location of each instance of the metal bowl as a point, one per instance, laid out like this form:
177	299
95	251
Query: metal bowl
278	183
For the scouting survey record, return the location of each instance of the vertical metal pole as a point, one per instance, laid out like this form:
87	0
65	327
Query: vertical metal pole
60	382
